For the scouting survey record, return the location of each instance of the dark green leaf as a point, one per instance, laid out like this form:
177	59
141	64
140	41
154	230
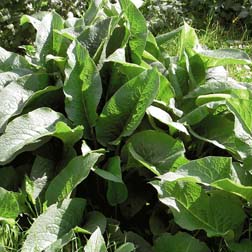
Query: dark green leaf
178	243
73	174
125	110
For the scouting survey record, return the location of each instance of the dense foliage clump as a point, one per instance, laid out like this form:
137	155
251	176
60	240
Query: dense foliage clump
110	144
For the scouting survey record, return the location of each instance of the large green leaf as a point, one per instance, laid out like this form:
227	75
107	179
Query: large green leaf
205	170
15	95
53	224
12	204
222	57
124	111
178	243
93	37
154	150
47	41
194	209
27	131
138	30
10	61
96	242
214	171
188	40
82	87
73	174
13	75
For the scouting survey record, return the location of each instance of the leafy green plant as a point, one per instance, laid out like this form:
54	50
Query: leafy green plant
109	144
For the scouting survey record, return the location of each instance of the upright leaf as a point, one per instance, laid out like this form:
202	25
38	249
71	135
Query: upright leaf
96	242
138	30
53	224
124	111
82	87
47	41
94	36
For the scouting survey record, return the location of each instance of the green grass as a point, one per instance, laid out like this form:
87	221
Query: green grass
215	36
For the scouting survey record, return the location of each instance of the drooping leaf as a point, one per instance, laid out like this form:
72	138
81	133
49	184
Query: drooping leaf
125	110
73	174
82	88
15	95
9	76
26	130
154	150
222	57
53	224
96	242
10	61
165	118
194	209
179	242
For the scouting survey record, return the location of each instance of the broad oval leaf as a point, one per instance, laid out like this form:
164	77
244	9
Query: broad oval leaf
73	174
11	61
222	57
178	243
15	95
124	111
154	150
53	224
27	129
194	209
